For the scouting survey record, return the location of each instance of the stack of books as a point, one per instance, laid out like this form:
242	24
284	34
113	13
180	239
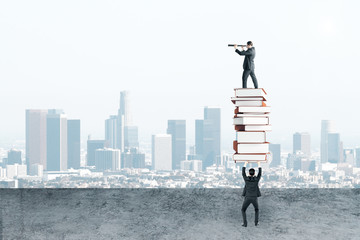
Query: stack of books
251	121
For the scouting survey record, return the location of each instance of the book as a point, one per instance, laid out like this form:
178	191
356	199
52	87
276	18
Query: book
250	92
253	127
253	109
251	147
251	115
234	99
251	121
250	157
248	103
250	137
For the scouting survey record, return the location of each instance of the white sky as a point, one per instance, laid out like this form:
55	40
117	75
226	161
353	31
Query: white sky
173	58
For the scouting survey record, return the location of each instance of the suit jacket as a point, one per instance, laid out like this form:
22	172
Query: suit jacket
251	188
249	58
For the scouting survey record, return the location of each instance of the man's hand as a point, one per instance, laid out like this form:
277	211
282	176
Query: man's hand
258	164
245	164
235	46
242	48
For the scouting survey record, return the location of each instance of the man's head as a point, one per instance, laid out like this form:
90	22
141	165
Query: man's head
252	172
249	44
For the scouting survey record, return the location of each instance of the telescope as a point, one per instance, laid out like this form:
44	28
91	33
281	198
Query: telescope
239	45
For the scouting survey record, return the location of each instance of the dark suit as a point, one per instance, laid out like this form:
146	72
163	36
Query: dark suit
251	192
249	66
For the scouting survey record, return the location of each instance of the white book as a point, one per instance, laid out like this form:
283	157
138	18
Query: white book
253	148
250	137
250	103
253	127
250	157
251	120
250	92
233	99
253	109
252	115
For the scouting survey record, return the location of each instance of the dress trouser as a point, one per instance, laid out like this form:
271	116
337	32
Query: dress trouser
245	205
245	76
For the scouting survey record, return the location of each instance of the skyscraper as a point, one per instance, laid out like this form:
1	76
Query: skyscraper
73	134
327	127
199	138
208	136
111	125
107	159
162	152
301	142
36	137
92	146
276	154
177	129
56	140
357	157
14	157
131	137
335	151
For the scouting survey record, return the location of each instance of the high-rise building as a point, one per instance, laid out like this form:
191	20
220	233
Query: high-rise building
199	138
92	146
301	142
73	135
125	107
334	148
56	140
162	152
35	137
132	158
14	156
275	154
327	127
349	156
107	159
111	125
357	157
208	136
177	130
131	137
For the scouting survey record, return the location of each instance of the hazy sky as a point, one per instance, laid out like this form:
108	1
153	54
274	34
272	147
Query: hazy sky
173	58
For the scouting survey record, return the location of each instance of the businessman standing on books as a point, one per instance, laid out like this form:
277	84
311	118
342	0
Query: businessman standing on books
249	66
251	192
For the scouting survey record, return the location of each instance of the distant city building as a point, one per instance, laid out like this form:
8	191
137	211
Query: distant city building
92	146
162	152
56	140
294	161
335	151
111	125
132	159
207	136
301	142
197	165
275	154
35	137
349	157
107	159
327	127
73	140
36	170
186	165
177	129
16	170
357	157
14	156
131	137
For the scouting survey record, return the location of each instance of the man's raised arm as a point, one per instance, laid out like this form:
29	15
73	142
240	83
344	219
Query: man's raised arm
259	174
243	170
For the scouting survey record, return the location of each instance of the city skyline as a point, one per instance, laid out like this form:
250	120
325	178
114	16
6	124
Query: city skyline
95	58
